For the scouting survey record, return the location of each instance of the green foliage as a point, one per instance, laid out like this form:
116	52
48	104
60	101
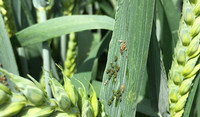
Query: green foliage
42	32
115	55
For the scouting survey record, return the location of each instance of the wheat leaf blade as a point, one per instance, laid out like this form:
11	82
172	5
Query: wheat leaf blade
63	25
126	63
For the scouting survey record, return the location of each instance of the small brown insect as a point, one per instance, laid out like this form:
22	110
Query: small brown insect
112	65
120	98
116	58
108	70
122	88
117	67
115	75
120	94
105	82
121	50
109	76
113	71
118	91
117	98
126	49
109	102
123	46
114	93
112	98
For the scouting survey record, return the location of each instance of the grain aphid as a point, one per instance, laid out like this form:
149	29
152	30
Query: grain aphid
123	47
113	71
122	88
117	67
112	65
112	98
108	70
115	75
109	102
116	58
109	76
118	91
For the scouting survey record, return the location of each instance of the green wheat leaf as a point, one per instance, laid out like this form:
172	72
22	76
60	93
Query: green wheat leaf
133	25
63	25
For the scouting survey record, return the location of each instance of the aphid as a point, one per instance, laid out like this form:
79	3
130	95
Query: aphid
118	91
0	64
120	94
108	70
120	98
117	67
109	76
114	93
117	98
115	75
112	65
126	49
116	58
113	71
121	50
112	98
105	82
123	46
109	102
122	88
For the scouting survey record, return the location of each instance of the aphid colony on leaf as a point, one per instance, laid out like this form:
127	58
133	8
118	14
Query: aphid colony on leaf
112	71
123	46
116	95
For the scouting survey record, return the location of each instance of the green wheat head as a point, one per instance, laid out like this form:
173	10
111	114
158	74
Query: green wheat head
30	99
69	63
184	68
